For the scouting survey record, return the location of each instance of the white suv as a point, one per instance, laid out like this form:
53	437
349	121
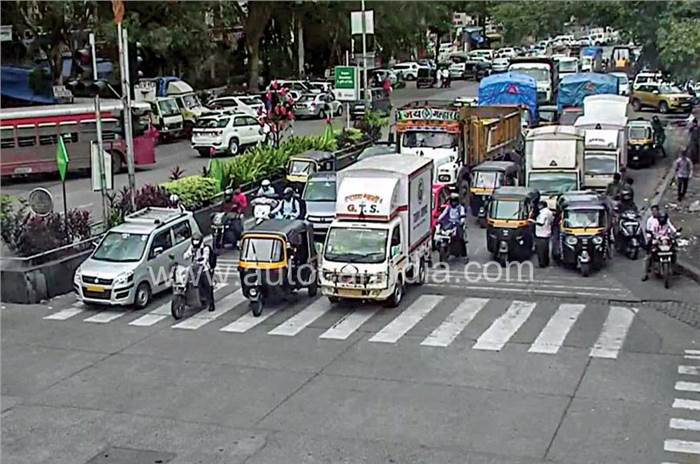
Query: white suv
225	132
408	70
240	103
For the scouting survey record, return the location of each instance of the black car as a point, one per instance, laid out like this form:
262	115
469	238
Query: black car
381	103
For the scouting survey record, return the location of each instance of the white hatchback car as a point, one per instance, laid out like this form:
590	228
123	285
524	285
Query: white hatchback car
242	103
226	132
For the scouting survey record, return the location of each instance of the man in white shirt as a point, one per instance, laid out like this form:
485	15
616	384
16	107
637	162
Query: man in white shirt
543	233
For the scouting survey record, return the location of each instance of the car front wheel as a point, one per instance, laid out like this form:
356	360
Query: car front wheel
663	107
233	146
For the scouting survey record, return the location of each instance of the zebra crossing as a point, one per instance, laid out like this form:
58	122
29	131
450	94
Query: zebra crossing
443	317
684	424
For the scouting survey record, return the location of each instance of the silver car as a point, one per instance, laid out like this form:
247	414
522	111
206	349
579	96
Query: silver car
132	261
319	105
319	195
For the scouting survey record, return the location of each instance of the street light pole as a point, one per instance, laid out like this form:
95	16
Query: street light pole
123	40
98	124
364	56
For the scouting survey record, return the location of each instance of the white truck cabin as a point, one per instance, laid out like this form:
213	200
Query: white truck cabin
601	157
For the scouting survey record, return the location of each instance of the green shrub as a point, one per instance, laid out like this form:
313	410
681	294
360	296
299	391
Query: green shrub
194	192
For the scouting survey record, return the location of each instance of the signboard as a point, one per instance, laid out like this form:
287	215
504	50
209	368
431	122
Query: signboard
6	33
40	201
95	168
356	22
427	114
347	83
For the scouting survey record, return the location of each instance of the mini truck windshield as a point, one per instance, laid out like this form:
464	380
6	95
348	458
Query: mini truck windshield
420	139
121	247
552	182
352	245
168	107
600	163
320	190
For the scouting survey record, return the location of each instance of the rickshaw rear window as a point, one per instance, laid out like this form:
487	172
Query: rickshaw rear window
487	179
637	133
582	218
261	250
301	167
507	209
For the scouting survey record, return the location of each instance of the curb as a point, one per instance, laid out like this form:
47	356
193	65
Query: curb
683	266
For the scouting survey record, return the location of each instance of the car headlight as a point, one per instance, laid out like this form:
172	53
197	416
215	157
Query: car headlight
328	275
376	278
597	240
124	278
571	240
78	276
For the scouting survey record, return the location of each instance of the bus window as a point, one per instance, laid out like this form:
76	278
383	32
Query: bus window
7	139
48	134
69	132
110	129
26	135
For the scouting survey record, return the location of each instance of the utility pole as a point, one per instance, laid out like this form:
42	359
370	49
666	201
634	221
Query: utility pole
98	124
123	42
368	94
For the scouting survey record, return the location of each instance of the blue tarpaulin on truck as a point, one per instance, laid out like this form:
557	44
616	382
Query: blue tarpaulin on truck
573	88
14	82
592	51
508	89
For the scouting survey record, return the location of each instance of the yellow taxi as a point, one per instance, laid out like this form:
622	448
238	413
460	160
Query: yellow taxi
663	97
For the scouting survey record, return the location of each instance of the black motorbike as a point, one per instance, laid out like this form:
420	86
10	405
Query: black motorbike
226	229
447	243
628	233
663	255
188	295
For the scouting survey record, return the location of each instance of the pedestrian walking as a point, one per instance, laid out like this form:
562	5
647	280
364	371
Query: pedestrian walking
694	142
684	170
543	233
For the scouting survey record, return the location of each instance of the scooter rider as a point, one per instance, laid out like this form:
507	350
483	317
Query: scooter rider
200	253
626	198
660	227
266	189
659	134
454	216
236	204
289	207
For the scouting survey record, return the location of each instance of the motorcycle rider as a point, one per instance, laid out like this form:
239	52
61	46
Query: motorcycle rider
200	253
454	216
236	204
660	227
614	187
289	207
266	189
659	134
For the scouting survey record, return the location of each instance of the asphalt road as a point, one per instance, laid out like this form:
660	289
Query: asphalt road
474	367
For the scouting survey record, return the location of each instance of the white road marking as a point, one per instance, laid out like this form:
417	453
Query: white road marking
681	403
691	356
455	323
681	446
405	321
684	424
614	332
64	314
302	319
247	321
692	351
689	370
104	317
554	333
204	317
352	321
536	291
148	320
688	386
503	328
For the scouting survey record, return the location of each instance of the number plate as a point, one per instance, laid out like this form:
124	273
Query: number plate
346	292
25	170
95	288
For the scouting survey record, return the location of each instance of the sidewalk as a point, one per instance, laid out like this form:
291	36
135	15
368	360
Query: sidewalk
686	214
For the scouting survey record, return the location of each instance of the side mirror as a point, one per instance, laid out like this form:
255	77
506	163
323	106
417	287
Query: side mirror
171	256
395	250
157	251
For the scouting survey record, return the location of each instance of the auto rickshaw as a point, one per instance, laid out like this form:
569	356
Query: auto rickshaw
569	197
485	178
278	257
640	143
584	234
509	234
549	115
301	166
426	77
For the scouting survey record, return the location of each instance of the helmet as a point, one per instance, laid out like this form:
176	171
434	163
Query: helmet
626	194
655	118
663	219
288	193
196	240
265	183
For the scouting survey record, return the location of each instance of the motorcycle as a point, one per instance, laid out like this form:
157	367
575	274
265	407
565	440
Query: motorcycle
663	253
628	234
187	295
447	244
262	207
225	229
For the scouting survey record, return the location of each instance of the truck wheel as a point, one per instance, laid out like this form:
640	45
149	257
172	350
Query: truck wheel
334	299
396	297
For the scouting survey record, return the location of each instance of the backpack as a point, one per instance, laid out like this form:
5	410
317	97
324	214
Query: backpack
212	257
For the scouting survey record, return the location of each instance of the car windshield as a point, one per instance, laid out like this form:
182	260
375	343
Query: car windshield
568	66
301	167
639	133
320	190
549	183
666	89
191	101
261	250
487	179
120	247
600	163
419	139
581	218
548	115
168	107
212	123
538	74
352	245
507	209
306	98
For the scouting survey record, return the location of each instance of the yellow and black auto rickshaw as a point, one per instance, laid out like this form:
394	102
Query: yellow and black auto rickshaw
485	178
277	258
641	150
509	234
300	167
584	234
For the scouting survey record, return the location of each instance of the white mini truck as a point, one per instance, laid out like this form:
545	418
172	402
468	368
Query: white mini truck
380	238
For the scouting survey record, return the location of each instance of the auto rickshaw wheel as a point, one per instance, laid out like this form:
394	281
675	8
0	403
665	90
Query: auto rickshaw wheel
334	299
256	307
421	273
177	308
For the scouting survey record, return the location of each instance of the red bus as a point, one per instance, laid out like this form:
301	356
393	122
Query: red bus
29	136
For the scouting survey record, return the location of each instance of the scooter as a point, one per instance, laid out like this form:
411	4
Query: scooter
446	243
187	295
628	234
225	229
262	207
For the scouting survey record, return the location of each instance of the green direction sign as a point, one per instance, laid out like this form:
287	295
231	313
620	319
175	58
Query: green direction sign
61	158
346	83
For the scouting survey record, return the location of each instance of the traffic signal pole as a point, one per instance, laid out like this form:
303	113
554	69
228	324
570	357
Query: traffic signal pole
123	43
98	124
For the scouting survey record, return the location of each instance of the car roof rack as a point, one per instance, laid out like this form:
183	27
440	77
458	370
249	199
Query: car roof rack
153	215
